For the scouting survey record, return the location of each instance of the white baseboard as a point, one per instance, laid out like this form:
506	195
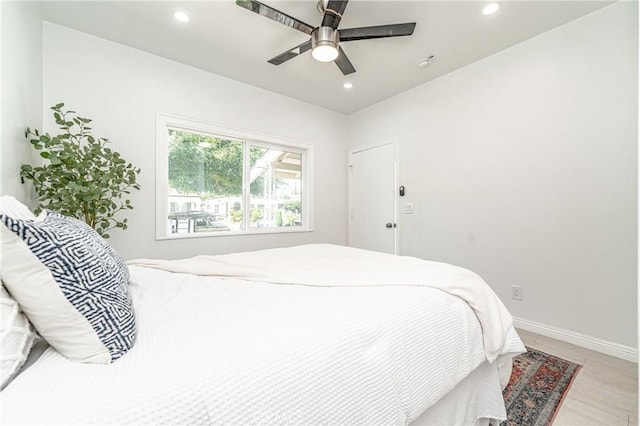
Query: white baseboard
614	349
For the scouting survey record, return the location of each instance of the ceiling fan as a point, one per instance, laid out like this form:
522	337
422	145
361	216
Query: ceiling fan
325	39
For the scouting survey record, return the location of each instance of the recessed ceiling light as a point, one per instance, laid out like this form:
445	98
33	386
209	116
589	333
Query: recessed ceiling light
181	16
490	8
348	85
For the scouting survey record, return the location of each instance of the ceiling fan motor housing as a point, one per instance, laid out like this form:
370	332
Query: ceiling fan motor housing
325	36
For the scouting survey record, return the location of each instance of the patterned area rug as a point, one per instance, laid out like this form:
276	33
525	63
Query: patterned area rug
538	384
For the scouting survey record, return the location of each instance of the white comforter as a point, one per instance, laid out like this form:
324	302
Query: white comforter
214	351
328	265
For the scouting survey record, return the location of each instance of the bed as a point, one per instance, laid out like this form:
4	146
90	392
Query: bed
300	335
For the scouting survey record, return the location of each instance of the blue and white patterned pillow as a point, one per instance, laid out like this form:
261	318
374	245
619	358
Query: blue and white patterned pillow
71	284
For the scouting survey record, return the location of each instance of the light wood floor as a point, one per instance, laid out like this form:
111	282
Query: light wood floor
605	392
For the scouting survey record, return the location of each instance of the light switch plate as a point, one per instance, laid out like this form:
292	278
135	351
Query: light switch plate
408	208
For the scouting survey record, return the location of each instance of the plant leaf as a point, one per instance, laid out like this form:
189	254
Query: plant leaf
81	178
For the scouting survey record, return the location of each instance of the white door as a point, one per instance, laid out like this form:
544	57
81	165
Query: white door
373	198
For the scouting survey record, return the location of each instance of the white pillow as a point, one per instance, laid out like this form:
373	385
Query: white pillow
71	284
16	333
14	208
16	338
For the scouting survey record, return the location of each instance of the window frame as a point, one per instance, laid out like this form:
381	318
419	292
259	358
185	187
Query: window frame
165	121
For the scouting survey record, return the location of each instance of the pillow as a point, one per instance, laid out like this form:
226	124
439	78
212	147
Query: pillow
14	208
16	333
71	284
16	337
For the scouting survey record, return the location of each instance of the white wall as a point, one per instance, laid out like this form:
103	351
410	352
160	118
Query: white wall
121	89
21	91
522	167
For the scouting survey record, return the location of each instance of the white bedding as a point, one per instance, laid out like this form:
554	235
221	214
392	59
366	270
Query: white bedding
328	265
214	351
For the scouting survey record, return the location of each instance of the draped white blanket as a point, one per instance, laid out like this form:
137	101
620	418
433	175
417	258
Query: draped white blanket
334	266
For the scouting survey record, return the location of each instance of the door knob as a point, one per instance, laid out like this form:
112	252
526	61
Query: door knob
390	225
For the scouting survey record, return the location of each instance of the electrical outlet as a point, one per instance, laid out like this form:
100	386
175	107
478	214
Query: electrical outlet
516	292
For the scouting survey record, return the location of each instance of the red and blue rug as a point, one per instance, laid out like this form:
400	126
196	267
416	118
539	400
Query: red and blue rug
538	384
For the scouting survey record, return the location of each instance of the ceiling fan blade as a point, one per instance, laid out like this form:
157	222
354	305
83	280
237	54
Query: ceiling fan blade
380	31
291	53
343	62
276	15
333	13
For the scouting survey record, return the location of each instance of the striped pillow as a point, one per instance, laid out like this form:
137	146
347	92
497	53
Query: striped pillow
72	286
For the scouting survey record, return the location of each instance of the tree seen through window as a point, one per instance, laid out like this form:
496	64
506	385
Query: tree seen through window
207	171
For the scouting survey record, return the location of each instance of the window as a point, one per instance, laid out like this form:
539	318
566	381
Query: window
217	181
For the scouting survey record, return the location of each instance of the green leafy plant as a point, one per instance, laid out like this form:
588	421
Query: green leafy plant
81	177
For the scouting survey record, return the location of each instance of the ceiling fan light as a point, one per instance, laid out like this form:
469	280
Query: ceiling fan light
324	53
324	44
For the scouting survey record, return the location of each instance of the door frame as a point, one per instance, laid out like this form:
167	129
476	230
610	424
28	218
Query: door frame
396	199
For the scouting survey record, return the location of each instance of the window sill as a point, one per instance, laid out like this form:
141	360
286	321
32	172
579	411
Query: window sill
252	231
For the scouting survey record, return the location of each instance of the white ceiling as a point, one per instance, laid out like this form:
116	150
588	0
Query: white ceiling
231	41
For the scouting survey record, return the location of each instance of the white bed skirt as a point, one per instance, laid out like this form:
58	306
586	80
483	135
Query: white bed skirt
476	400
